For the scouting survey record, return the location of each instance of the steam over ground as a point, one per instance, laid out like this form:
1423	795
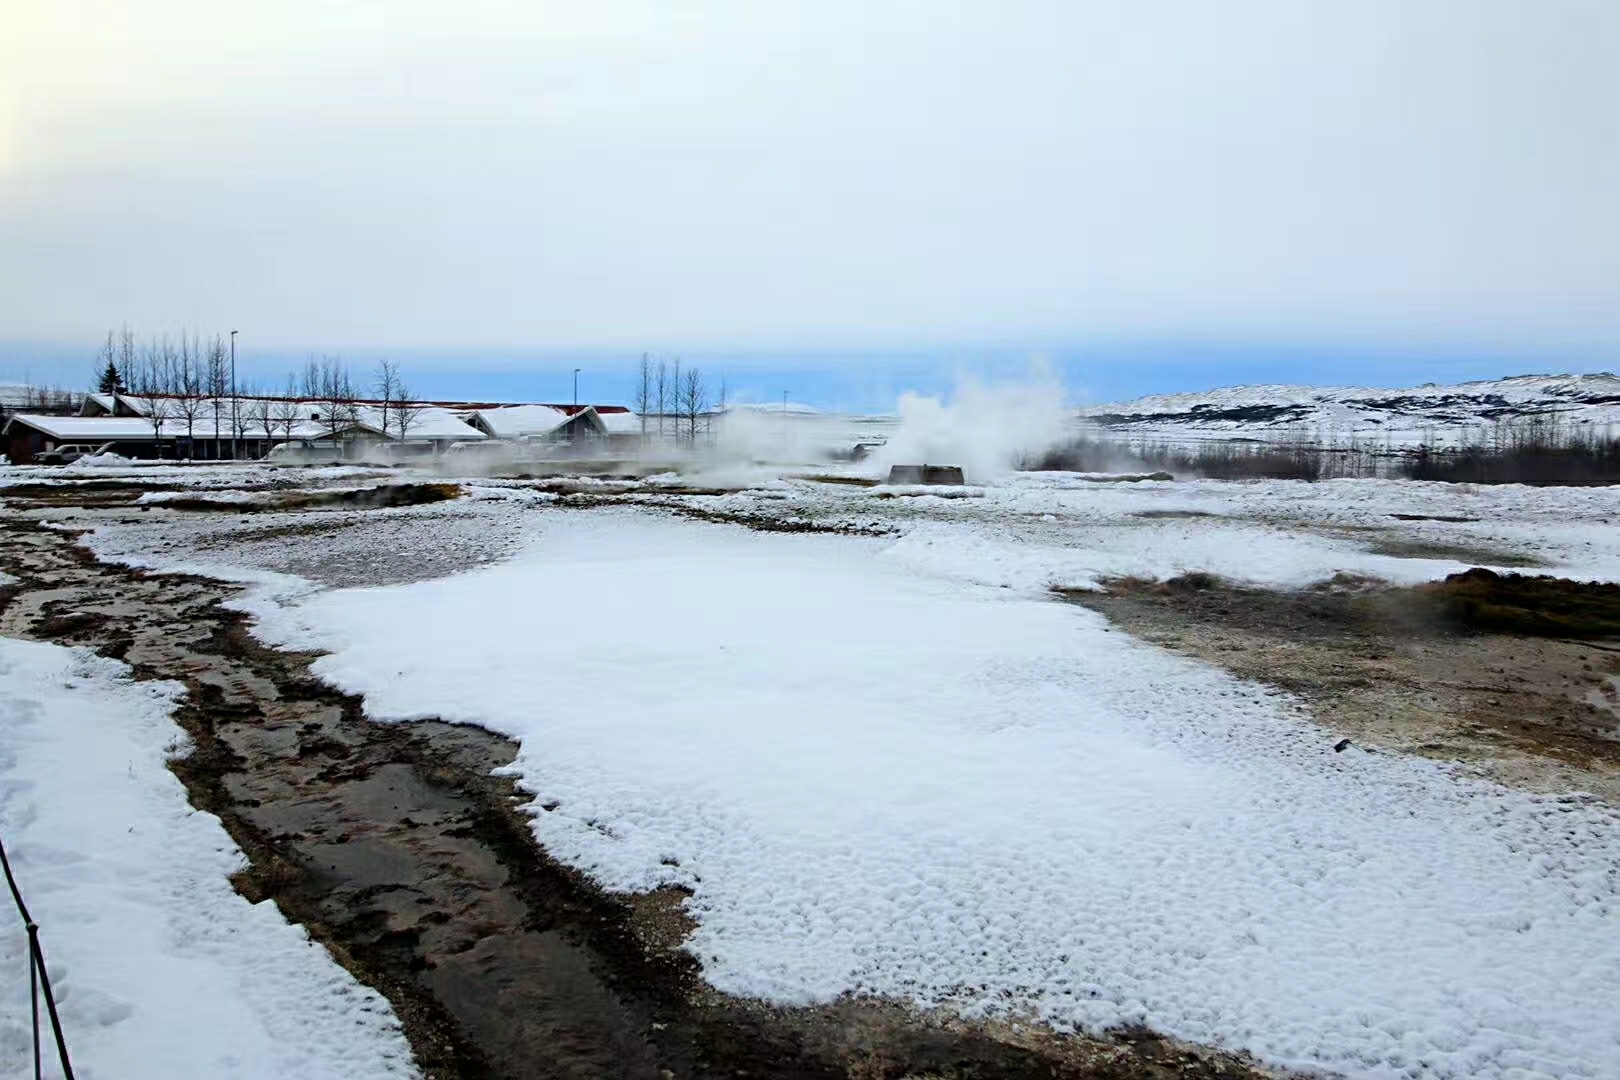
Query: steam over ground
986	428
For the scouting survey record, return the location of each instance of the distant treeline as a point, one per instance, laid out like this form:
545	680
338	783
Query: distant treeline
1538	450
47	400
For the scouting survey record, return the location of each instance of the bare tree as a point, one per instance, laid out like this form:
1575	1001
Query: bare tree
287	411
309	385
188	389
643	392
152	385
407	412
387	385
661	382
217	383
49	399
337	397
240	420
694	401
257	412
127	356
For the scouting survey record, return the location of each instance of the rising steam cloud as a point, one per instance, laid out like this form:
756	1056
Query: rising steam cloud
985	428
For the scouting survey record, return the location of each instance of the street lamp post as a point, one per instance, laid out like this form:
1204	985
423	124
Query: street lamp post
576	387
234	403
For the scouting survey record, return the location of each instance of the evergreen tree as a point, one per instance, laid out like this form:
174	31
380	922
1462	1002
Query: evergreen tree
112	380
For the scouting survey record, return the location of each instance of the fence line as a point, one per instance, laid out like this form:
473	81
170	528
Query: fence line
38	978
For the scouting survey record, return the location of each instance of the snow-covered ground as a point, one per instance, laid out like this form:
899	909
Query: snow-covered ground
162	970
1373	416
876	778
891	764
1032	531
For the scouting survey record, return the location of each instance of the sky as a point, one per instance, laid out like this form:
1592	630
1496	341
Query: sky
834	198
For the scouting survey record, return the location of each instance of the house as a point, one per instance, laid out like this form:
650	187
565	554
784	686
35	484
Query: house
203	428
429	430
27	435
111	405
540	423
623	427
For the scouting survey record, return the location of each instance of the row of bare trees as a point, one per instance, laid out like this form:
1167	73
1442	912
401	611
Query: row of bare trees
186	379
665	393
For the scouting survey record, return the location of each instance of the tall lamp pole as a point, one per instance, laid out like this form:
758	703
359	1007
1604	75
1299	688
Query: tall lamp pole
576	387
234	403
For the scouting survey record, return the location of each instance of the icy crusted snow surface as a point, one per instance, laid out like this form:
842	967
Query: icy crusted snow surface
878	779
161	969
359	547
1031	531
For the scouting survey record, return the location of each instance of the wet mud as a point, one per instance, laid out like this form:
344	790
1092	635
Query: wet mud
416	868
1516	676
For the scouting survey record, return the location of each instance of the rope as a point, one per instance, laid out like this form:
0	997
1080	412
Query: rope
38	977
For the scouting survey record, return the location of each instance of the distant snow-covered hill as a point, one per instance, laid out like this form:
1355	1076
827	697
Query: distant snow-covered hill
1428	413
15	395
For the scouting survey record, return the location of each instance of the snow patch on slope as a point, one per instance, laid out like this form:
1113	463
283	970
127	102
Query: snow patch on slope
1401	417
162	971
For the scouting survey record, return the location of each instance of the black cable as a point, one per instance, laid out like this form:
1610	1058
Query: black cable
36	961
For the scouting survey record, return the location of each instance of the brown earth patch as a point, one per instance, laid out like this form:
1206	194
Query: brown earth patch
1403	545
86	494
846	481
383	496
1463	553
1415	670
1540	606
400	853
1130	478
785	524
1454	518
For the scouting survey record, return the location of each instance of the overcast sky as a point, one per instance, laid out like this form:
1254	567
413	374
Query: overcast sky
666	175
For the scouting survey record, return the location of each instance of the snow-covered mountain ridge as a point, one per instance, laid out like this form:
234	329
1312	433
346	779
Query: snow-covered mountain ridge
1424	413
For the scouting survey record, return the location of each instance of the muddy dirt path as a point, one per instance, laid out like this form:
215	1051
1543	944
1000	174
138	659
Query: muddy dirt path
400	853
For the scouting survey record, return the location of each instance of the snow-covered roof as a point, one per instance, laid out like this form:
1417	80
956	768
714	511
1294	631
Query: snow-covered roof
100	429
430	424
619	421
94	429
439	424
512	421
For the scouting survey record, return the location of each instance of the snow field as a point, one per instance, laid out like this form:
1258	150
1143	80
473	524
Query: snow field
876	779
1035	530
161	969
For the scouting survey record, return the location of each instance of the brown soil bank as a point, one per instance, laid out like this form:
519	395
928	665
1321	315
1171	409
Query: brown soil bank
396	849
1541	606
1510	673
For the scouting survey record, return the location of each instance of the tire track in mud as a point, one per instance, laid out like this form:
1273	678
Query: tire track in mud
398	851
